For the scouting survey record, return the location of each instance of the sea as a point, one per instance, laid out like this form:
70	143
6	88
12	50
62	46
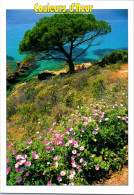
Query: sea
19	21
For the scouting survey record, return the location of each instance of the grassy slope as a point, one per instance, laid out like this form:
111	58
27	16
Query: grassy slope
35	106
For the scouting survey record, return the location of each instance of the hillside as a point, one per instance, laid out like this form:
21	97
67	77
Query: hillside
68	129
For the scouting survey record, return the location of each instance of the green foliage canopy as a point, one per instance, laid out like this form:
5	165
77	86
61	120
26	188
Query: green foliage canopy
58	36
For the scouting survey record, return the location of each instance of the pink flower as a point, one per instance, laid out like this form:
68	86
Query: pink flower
84	163
96	128
59	179
94	132
28	163
27	174
44	173
17	165
71	176
72	172
72	157
19	179
35	156
54	123
73	165
15	152
21	162
21	170
7	160
51	148
49	183
106	119
62	173
67	144
18	157
29	141
82	148
71	184
42	142
55	158
97	167
81	160
56	164
27	147
75	145
82	130
78	154
9	144
8	169
126	132
79	169
74	151
86	124
39	136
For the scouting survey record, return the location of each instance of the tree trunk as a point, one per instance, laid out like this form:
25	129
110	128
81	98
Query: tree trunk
71	65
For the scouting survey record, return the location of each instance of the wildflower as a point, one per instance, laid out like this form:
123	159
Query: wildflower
17	165
29	141
79	169
100	120
56	164
37	132
124	118
82	148
15	152
19	179
96	128
35	156
106	119
78	154
9	144
76	145
72	157
74	151
21	162
118	116
82	130
73	165
39	136
51	148
59	179
55	158
94	132
72	172
44	173
21	170
86	124
71	184
8	169
73	133
28	163
54	123
97	167
62	173
67	144
7	160
71	176
81	160
17	170
27	174
84	163
126	132
42	142
27	147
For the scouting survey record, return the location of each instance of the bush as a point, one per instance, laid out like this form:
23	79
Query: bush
114	57
84	147
97	88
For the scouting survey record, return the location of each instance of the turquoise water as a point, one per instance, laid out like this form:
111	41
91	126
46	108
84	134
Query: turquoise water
19	21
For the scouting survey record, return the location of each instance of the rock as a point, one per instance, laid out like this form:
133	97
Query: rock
12	77
44	75
10	58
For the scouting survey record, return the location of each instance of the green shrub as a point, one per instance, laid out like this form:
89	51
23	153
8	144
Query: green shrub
97	88
114	57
